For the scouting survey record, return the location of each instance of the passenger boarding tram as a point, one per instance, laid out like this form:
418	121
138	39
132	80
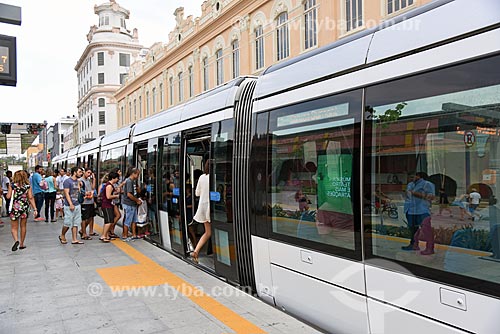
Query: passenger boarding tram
309	166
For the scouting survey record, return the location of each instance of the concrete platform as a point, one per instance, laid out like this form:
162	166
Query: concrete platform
119	287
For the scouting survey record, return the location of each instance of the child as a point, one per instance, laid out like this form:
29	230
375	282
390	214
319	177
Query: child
59	206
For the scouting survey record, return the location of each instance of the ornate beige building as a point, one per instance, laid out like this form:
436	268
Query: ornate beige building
233	38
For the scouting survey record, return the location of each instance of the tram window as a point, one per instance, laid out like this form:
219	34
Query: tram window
446	125
314	149
111	159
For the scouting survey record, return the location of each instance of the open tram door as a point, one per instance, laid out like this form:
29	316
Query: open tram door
196	152
147	158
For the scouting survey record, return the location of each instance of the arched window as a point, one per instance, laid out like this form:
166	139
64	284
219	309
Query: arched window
135	109
205	73
171	90
191	81
282	40
259	47
161	96
140	106
154	100
236	58
147	103
310	24
181	86
220	66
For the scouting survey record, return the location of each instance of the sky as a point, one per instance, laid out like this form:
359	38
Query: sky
51	39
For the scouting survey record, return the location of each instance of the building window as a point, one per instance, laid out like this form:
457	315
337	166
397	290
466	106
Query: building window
102	117
100	78
282	41
123	115
130	111
191	81
106	20
161	96
395	5
135	109
259	47
100	58
147	103
220	66
102	102
171	90
122	23
102	133
123	77
154	100
310	29
181	86
205	73
353	14
236	58
124	59
140	106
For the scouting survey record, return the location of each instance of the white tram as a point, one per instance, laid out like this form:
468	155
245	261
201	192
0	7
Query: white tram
309	170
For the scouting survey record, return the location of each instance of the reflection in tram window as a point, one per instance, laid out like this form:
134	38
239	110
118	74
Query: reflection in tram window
313	152
446	124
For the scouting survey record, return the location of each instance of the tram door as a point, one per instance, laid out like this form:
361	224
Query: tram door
196	154
147	157
221	186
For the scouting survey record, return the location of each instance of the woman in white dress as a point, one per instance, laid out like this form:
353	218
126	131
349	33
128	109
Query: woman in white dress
203	212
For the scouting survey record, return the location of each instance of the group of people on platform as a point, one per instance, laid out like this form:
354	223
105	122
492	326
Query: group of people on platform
75	196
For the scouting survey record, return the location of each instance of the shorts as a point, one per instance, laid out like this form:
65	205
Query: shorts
130	215
109	215
88	211
72	218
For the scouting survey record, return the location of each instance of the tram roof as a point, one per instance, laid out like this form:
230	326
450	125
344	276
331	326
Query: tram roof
398	36
92	145
217	99
119	135
72	152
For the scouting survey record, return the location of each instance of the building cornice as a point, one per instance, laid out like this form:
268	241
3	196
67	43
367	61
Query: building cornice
104	89
95	45
204	34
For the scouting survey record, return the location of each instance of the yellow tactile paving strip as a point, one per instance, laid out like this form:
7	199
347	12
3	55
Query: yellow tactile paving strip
149	273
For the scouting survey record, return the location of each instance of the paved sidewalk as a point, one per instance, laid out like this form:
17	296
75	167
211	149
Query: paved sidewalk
53	288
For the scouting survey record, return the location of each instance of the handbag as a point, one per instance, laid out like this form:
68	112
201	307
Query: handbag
43	184
81	194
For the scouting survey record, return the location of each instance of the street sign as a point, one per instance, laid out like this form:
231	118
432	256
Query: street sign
8	67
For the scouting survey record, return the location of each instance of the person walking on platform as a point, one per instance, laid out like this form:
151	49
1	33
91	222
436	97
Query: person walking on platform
50	195
72	209
108	195
38	192
130	202
88	210
21	197
203	212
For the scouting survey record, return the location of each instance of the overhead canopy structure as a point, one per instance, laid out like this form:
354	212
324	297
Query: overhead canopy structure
15	138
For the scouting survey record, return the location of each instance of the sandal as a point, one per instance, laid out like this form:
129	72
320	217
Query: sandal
86	238
64	242
94	234
77	243
194	256
105	240
16	245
